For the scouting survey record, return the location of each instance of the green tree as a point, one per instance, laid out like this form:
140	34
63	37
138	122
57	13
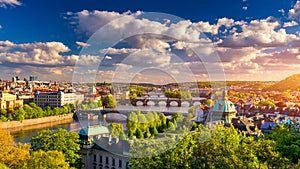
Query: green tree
132	122
19	114
46	160
287	142
207	148
209	102
12	155
99	103
147	133
109	101
122	135
267	103
61	140
143	123
115	129
139	133
3	166
178	117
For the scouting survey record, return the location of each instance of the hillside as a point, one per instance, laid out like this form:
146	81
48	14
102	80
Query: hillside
289	83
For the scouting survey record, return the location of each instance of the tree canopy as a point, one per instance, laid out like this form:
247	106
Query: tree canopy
61	140
207	148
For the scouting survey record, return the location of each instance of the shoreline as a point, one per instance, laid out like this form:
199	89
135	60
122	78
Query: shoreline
28	124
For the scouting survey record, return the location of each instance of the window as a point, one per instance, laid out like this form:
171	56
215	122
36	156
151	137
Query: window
95	157
106	160
113	162
120	163
100	159
127	164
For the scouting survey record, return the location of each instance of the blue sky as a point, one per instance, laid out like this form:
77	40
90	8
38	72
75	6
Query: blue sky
254	40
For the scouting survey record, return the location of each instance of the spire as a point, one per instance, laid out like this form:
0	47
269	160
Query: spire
224	94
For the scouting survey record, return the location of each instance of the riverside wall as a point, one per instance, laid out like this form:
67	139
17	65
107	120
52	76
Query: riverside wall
38	121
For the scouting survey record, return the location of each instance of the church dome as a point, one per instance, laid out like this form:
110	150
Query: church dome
224	106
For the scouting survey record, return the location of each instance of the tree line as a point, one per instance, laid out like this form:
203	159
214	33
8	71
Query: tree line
32	111
49	149
149	125
178	94
221	147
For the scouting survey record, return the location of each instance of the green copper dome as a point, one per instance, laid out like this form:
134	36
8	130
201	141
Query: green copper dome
224	106
94	131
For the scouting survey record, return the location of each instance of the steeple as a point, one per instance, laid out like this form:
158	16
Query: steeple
224	97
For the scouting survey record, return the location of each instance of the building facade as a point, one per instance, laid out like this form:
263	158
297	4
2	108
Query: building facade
56	99
224	110
8	101
100	151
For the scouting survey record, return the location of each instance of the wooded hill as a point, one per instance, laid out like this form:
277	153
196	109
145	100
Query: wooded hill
290	83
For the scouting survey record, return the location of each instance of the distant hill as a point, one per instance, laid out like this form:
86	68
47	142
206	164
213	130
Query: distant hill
289	83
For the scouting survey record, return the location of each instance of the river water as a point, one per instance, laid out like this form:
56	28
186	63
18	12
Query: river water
23	135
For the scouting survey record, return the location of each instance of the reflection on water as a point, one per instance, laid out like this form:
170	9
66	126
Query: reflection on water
24	134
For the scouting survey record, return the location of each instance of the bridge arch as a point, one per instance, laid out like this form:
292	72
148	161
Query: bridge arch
162	103
150	103
185	104
139	103
196	103
173	103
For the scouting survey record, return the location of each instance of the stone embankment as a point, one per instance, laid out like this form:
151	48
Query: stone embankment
38	121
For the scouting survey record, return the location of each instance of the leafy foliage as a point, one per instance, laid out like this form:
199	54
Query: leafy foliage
45	160
61	140
207	148
288	142
178	94
31	111
109	101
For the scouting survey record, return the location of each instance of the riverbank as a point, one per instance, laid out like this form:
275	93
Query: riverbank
30	123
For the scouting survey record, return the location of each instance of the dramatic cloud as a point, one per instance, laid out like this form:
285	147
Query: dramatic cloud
4	3
40	53
89	22
260	33
294	13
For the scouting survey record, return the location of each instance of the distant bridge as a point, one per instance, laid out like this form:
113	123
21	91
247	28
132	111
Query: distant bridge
125	110
168	102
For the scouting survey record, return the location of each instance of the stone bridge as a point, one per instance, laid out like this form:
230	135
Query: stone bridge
168	102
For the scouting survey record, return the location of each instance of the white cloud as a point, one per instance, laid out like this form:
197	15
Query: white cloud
41	53
1	27
90	22
115	51
108	57
82	44
294	13
245	48
4	3
245	8
281	11
290	24
147	58
259	33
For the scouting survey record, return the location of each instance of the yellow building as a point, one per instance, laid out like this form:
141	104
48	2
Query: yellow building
9	101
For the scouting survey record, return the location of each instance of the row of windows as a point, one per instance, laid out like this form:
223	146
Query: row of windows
114	161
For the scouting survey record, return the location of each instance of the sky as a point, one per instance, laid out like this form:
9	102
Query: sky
149	41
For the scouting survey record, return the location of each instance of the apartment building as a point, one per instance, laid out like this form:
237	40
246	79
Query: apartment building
56	99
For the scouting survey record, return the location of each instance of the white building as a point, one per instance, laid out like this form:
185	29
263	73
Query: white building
99	151
56	99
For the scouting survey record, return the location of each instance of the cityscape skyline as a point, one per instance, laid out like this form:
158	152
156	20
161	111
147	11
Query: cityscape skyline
250	42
